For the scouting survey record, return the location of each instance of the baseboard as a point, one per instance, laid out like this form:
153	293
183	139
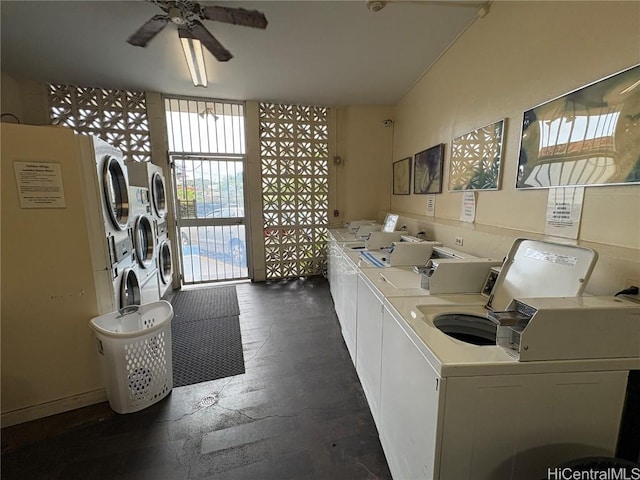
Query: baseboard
14	417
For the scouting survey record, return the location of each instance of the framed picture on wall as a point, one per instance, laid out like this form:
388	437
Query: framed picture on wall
590	136
476	159
402	176
427	170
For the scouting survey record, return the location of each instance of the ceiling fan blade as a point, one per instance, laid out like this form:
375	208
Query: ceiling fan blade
235	16
209	41
148	30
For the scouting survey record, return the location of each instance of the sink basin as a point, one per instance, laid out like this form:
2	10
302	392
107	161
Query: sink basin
469	328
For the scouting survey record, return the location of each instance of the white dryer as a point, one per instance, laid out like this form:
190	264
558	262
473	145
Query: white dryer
127	288
144	240
146	174
113	186
165	267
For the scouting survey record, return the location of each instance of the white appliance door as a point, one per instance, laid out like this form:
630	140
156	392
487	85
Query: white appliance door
158	195
129	288
116	192
144	240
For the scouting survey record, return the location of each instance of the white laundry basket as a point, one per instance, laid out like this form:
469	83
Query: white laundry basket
135	353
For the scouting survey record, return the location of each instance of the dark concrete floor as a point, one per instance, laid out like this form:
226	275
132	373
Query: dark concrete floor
298	412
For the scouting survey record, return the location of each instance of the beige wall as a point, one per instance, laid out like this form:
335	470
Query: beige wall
24	98
520	55
10	96
363	143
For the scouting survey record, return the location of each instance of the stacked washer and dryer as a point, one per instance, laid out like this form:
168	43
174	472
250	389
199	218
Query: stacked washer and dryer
113	186
144	244
150	177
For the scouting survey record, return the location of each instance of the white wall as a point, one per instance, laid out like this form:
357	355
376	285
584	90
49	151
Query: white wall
520	55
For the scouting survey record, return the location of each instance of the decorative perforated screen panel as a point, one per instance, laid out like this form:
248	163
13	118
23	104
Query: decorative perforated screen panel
294	150
119	117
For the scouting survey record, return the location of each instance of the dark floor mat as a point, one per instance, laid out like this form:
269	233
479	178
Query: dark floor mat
206	349
194	305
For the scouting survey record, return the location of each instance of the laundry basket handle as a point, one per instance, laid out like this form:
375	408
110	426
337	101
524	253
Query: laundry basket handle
128	309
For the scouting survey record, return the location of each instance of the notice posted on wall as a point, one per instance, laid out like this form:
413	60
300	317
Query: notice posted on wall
431	205
40	185
468	208
564	211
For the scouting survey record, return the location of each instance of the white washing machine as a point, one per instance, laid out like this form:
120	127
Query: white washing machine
144	241
520	384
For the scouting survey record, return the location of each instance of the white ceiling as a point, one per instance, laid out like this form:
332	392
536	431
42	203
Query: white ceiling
329	53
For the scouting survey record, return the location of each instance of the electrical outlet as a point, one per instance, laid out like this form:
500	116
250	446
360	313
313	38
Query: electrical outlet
336	213
459	241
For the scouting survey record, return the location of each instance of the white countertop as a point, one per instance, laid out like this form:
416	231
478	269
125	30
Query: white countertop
454	358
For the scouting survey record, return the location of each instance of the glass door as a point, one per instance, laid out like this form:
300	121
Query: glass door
211	223
207	151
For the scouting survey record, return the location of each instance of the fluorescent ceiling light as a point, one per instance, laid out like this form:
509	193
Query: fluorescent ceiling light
195	60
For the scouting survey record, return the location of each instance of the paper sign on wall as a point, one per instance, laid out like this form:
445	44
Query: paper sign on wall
39	185
564	211
468	211
431	205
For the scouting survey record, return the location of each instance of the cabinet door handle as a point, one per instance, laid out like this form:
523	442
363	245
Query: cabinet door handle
437	382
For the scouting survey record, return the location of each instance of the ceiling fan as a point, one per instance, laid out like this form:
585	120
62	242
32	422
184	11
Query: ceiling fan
187	16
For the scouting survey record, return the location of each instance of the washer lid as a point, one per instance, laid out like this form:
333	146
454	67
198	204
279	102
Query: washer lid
535	268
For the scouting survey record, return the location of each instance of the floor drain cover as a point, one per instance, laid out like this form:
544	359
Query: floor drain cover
208	400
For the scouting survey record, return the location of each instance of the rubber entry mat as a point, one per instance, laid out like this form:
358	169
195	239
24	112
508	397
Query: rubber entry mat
205	350
205	334
216	302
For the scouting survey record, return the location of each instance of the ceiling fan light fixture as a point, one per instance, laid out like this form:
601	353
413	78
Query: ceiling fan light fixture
376	5
175	15
195	59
